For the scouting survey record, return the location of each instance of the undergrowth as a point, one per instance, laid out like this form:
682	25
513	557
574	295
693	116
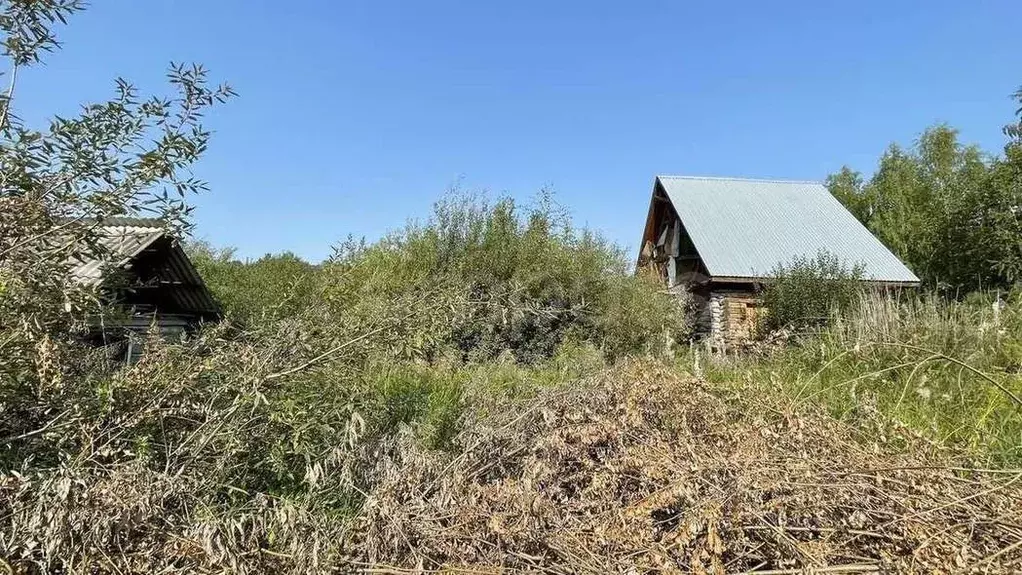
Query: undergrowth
248	446
949	370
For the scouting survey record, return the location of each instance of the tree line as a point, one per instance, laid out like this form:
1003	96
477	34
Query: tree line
951	211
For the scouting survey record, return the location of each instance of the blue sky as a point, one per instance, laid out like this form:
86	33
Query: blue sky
355	116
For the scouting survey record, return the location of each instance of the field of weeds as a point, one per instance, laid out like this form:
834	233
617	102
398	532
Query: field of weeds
493	392
948	369
641	468
568	467
488	390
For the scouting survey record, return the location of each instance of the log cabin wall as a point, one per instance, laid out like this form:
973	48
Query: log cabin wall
733	313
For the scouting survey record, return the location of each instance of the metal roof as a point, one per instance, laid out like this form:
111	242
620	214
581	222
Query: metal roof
187	290
118	244
126	242
745	228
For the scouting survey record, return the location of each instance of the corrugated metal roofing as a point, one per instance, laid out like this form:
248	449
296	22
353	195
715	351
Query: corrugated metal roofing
188	290
124	241
745	228
129	221
118	244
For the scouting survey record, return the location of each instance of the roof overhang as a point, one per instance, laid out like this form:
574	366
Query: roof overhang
764	280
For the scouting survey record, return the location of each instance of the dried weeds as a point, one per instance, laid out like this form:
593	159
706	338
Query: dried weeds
644	470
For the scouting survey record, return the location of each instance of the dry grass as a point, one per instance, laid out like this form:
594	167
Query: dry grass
950	370
643	470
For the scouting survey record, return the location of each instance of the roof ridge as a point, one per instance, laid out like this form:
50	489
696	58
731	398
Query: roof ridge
735	179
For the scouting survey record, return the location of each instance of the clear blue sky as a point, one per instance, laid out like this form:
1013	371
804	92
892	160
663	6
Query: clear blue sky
355	116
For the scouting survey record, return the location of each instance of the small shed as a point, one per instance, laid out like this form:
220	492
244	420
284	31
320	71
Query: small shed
139	267
721	238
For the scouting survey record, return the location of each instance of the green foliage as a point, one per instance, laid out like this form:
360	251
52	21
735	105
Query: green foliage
132	154
404	394
528	280
948	210
636	316
272	287
807	291
847	186
246	447
897	356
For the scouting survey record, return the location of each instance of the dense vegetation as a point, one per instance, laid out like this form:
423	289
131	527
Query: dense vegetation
943	361
948	370
267	443
950	211
808	291
505	282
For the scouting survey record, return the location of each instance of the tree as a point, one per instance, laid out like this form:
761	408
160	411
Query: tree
848	187
130	155
1004	217
948	210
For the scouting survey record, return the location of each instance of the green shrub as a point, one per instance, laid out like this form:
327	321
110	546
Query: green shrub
527	280
946	369
271	287
806	291
639	316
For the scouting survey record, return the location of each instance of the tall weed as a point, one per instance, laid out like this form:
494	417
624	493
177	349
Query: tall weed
948	369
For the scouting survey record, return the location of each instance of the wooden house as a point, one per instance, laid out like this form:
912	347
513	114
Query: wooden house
721	238
140	268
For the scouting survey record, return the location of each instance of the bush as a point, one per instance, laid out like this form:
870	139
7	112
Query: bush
638	316
266	438
218	454
807	291
272	287
947	370
528	281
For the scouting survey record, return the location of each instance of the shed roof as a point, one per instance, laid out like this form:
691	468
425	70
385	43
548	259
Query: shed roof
123	242
119	241
745	228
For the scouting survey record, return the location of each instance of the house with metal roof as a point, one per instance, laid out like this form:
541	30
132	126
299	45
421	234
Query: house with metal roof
139	267
722	238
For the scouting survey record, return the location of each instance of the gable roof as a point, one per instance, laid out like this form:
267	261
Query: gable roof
120	240
745	228
125	241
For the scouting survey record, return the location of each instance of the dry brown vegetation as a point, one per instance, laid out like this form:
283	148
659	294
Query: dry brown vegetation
641	469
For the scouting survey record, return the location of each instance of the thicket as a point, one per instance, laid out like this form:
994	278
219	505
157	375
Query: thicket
267	289
526	279
809	290
950	211
248	446
252	445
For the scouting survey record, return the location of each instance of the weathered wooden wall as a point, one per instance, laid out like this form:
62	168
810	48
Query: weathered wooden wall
733	318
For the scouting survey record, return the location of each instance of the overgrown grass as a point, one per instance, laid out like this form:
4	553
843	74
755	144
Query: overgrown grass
949	370
249	447
255	440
